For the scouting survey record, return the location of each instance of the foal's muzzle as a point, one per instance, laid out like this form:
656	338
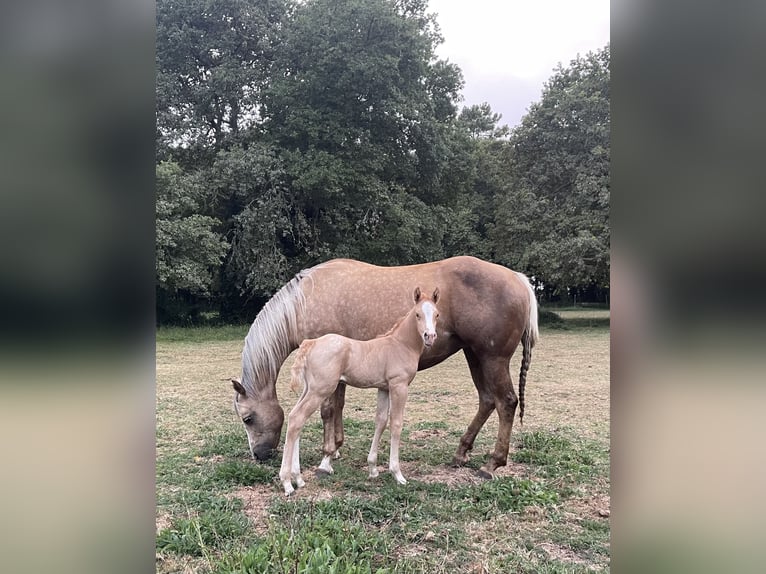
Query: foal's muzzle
429	338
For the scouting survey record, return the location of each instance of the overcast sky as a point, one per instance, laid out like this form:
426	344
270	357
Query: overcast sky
507	49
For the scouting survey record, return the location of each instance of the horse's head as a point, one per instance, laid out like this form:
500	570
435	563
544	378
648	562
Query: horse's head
426	315
262	418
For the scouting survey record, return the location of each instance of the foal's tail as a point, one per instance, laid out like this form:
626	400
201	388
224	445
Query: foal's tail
528	339
298	370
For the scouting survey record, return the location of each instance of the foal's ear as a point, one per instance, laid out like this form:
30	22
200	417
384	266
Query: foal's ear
238	386
417	294
435	297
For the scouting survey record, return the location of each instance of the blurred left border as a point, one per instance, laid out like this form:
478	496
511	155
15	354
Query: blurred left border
77	286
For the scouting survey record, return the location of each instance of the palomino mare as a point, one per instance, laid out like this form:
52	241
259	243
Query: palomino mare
387	363
486	310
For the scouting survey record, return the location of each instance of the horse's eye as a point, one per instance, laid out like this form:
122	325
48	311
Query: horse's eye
247	420
417	315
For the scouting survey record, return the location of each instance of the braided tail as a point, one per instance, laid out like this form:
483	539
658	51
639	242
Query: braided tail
528	339
526	359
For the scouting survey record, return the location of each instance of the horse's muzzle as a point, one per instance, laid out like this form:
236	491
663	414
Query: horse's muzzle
262	452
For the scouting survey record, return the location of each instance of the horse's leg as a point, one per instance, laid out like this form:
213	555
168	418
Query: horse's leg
332	426
498	381
381	417
328	427
303	409
398	397
486	406
340	401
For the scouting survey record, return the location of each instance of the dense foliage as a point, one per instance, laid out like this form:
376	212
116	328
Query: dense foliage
293	132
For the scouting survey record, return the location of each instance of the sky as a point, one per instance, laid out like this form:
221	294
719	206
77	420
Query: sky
507	49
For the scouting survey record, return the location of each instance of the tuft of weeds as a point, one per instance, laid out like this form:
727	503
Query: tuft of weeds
213	523
239	472
554	455
309	540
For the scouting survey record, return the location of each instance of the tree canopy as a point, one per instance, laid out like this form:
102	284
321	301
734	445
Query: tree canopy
290	132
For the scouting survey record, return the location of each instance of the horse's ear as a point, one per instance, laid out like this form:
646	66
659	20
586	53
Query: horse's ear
435	297
238	386
417	294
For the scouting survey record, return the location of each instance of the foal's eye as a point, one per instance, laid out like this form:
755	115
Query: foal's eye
247	420
417	315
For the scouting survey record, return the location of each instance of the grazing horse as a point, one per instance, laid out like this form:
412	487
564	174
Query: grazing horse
486	310
387	363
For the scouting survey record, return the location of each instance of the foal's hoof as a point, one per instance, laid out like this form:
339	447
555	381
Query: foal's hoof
485	474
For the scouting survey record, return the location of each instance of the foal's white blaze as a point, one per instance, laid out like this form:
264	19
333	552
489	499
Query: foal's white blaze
428	312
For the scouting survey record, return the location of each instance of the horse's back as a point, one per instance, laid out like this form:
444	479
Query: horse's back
481	303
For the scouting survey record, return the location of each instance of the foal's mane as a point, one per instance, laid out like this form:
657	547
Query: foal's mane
394	327
268	341
398	322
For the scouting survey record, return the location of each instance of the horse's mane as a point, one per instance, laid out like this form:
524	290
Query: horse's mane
268	341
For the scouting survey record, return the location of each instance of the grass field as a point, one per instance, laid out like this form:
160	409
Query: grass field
219	511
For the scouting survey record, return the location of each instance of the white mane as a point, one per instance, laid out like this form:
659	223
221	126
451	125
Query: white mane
268	342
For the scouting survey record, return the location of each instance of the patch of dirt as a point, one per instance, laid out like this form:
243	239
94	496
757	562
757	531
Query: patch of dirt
427	434
562	553
256	500
595	506
162	521
455	476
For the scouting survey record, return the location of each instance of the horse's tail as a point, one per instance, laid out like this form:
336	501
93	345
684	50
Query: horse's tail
528	339
298	370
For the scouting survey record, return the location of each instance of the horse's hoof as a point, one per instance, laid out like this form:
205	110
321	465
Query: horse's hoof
457	461
485	474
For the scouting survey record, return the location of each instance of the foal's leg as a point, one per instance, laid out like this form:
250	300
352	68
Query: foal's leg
381	417
302	410
398	394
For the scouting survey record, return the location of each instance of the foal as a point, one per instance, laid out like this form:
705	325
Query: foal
388	363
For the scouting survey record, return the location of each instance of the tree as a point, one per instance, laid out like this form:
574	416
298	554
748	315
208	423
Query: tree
360	110
214	58
553	219
188	249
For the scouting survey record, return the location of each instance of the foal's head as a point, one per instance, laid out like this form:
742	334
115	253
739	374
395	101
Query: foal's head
426	315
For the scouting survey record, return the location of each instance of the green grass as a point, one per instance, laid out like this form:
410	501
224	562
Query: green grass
533	519
201	334
572	318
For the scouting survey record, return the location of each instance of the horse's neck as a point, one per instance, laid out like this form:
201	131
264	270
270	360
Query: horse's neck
267	345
